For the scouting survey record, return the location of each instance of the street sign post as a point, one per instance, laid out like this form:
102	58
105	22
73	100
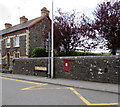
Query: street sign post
48	49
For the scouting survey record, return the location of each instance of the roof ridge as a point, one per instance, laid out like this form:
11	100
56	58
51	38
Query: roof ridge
21	23
17	27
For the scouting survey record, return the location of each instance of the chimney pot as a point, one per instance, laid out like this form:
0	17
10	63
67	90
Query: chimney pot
44	12
8	25
23	19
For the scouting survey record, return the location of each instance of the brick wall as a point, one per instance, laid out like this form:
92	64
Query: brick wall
100	69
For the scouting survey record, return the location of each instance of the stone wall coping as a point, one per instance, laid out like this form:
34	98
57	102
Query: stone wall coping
73	57
30	58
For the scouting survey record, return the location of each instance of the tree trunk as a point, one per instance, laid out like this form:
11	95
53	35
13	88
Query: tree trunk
113	52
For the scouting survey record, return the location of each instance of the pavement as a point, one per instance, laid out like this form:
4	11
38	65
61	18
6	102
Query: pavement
96	86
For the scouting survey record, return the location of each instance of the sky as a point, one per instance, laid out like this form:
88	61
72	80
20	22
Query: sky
12	10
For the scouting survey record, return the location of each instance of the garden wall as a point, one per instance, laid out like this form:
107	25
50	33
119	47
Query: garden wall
97	68
27	66
89	68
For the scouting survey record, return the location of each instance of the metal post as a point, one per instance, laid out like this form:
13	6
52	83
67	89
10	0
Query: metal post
52	72
49	52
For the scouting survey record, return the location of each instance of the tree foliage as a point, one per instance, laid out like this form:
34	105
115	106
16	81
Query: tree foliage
88	38
71	31
107	23
65	32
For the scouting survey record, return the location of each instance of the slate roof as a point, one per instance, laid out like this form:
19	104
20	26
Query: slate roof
18	27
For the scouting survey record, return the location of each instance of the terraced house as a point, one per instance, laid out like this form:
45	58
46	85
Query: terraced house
19	41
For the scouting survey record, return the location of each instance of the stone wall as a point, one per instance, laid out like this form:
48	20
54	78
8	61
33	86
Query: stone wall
12	50
38	33
97	68
27	66
100	69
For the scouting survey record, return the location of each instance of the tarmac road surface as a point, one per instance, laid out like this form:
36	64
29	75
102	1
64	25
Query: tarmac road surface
23	92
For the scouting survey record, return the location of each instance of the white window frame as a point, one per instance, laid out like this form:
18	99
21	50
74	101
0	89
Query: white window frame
15	54
16	43
8	43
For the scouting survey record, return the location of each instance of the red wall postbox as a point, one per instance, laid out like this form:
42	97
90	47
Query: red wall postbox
66	65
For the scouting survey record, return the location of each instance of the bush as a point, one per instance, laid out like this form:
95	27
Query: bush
75	53
39	52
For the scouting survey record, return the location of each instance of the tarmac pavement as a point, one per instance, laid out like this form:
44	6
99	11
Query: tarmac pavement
106	87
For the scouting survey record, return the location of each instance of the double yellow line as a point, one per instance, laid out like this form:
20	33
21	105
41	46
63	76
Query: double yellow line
29	82
87	102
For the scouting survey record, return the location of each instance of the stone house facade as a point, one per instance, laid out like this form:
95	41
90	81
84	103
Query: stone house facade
19	41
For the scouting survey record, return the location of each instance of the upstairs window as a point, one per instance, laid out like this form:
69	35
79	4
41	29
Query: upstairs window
7	43
16	42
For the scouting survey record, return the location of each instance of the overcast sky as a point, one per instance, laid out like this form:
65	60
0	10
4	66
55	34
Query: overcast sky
12	10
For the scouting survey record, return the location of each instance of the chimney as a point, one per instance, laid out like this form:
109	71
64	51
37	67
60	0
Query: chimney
44	12
8	25
23	19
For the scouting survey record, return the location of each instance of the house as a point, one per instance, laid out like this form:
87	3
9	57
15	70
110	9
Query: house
19	41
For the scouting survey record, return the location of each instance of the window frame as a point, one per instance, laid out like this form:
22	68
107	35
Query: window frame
8	43
17	53
15	44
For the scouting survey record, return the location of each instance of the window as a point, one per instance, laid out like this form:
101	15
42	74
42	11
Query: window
7	41
17	55
16	42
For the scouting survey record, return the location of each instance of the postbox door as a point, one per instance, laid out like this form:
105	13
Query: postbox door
66	65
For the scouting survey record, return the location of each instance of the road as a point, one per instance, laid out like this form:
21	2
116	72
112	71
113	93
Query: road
22	92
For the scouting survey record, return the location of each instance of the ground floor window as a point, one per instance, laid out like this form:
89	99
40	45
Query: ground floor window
17	55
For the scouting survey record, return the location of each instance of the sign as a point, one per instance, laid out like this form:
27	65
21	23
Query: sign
41	68
47	45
